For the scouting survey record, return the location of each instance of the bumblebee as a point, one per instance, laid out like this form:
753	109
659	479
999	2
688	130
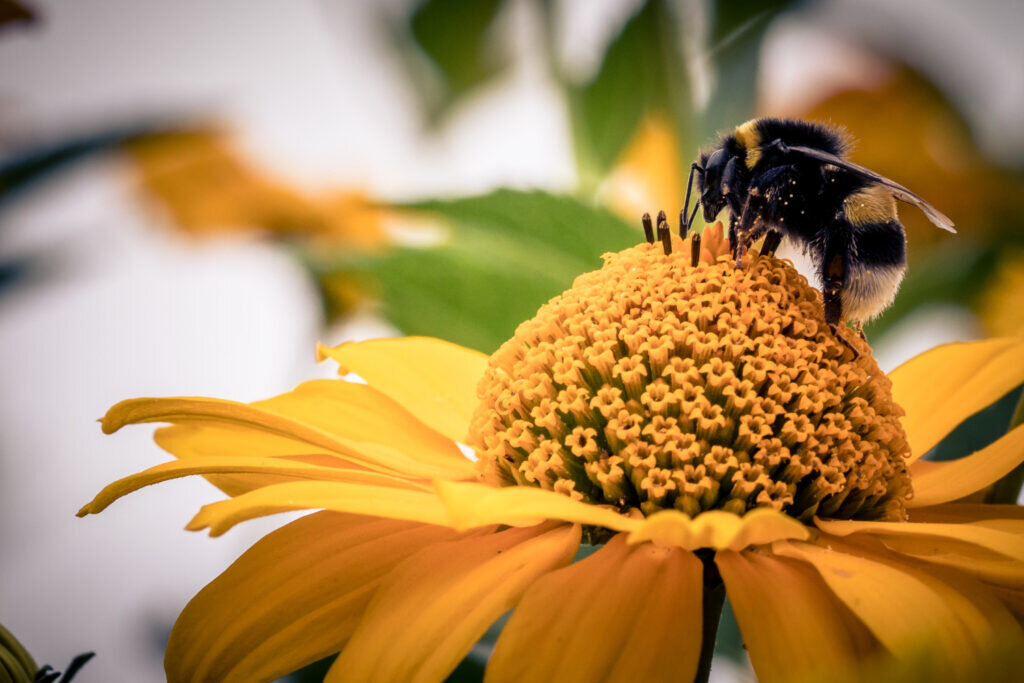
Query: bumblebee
789	179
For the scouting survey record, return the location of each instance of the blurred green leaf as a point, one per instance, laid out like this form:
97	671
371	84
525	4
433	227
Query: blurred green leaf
454	35
734	55
642	70
951	272
509	253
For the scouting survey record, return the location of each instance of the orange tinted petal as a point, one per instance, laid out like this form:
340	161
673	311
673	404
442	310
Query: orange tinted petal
430	611
904	607
967	512
793	626
626	613
293	598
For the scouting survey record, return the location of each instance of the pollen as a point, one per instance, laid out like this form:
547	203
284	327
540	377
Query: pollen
656	384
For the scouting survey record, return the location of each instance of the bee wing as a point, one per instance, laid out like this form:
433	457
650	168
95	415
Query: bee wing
898	191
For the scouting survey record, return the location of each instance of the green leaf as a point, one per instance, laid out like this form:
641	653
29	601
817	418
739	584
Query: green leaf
509	252
734	54
454	35
642	70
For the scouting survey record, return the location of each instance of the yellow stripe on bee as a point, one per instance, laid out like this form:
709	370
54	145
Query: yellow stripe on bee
873	204
750	139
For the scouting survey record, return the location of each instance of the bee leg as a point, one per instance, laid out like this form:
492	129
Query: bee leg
732	234
832	283
684	222
771	243
835	333
748	218
860	331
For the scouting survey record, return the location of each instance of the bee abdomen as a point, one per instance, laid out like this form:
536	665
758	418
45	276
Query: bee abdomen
876	266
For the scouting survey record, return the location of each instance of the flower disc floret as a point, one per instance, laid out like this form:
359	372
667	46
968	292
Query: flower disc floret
654	384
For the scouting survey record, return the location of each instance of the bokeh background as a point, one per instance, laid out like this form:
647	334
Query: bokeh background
192	194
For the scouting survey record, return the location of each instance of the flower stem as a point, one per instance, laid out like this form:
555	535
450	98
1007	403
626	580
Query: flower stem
714	599
1007	489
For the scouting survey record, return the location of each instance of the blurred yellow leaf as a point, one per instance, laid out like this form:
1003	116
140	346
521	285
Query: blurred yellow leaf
649	175
908	131
1001	308
208	188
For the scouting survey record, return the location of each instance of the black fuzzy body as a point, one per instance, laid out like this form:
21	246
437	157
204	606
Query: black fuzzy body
859	252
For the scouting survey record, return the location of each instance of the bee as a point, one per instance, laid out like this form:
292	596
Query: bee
789	179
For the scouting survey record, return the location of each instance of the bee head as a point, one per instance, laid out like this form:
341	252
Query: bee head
712	191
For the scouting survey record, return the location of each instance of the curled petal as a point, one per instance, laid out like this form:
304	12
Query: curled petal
942	387
718	529
278	467
1009	543
941	482
395	448
361	499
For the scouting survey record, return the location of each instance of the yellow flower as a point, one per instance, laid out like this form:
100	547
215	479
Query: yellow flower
698	421
207	188
1000	310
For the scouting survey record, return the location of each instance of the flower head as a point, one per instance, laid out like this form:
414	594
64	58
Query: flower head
699	423
653	385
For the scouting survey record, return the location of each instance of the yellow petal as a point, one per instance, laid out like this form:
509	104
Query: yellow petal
1005	543
941	482
967	512
293	598
471	505
997	627
970	558
361	413
718	529
942	387
397	448
430	611
433	379
278	467
204	439
361	499
793	626
1012	598
626	613
904	607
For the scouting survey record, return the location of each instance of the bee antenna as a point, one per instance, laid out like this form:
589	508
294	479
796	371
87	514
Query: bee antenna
686	203
693	215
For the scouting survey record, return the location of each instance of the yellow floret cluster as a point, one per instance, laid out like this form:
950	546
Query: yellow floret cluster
655	384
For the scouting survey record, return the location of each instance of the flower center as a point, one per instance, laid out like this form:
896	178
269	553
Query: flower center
655	384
